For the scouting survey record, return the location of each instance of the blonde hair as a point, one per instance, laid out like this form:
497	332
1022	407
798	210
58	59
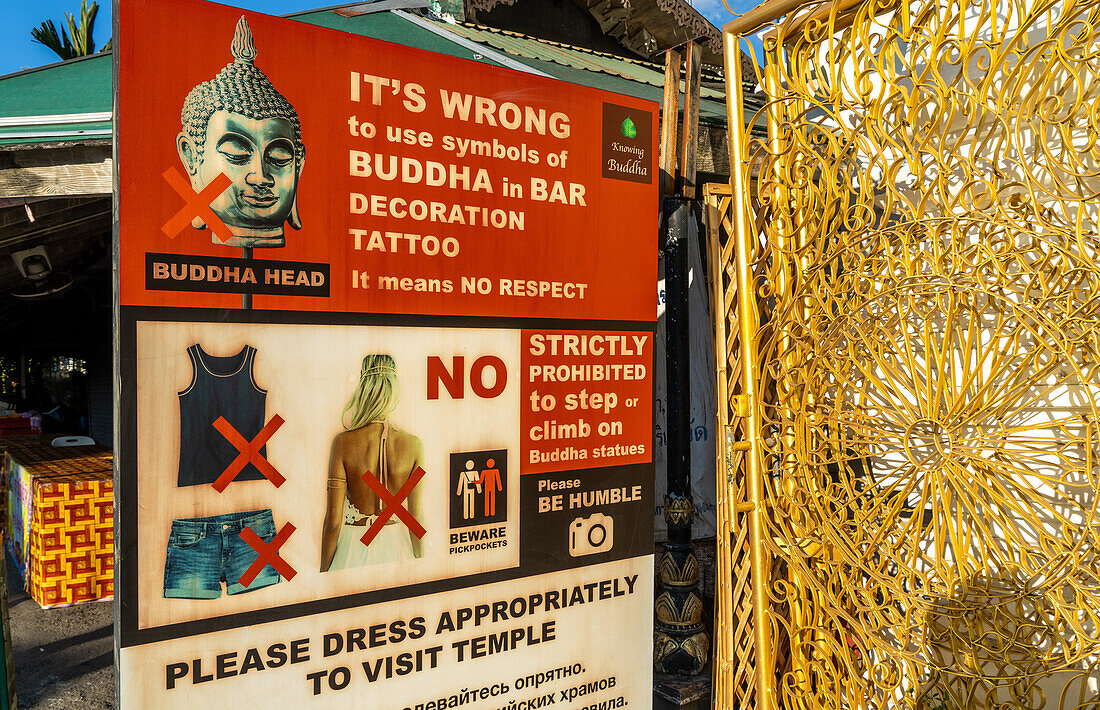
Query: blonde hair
376	394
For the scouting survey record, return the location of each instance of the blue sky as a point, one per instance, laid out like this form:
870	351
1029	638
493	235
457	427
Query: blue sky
18	51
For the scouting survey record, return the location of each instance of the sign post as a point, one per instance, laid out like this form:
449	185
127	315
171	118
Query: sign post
385	328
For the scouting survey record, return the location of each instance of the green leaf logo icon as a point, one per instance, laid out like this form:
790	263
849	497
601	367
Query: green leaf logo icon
628	128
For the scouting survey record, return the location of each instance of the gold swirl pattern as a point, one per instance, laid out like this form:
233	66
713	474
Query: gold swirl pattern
927	399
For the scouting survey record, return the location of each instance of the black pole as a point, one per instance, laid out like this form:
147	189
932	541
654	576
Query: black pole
681	643
246	298
677	346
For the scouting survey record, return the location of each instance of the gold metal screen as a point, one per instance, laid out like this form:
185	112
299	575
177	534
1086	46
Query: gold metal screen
735	676
918	339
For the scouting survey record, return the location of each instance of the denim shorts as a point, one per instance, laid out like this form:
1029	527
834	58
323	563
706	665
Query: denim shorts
204	552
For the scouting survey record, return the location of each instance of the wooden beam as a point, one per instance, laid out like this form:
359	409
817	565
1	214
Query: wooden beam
94	213
42	209
38	172
670	116
611	19
686	180
14	221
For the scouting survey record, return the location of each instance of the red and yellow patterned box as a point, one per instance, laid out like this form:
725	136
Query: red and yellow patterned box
61	520
71	540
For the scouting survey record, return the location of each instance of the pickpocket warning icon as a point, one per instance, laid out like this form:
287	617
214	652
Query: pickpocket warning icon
478	487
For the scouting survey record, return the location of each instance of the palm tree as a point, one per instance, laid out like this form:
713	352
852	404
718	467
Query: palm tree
77	41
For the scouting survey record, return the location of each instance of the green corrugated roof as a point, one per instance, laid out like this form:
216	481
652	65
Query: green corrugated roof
69	101
389	27
76	86
582	66
83	86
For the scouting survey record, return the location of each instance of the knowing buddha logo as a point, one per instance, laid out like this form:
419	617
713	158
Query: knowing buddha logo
238	124
627	144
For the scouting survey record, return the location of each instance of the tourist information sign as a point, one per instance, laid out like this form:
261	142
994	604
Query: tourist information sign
385	330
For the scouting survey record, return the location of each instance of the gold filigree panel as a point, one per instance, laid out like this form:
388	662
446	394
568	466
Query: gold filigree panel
929	382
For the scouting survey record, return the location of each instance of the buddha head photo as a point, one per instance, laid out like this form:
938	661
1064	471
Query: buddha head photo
239	124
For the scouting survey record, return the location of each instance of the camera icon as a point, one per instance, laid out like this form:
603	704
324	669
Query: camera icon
590	535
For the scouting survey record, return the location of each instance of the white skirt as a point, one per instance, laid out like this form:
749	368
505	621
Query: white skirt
391	544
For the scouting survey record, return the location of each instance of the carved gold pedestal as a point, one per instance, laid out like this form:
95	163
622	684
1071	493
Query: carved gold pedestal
680	643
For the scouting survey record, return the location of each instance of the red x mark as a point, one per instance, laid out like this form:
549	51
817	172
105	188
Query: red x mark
267	554
391	504
198	205
250	453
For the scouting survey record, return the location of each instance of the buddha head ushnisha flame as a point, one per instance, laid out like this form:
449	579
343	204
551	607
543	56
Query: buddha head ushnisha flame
239	124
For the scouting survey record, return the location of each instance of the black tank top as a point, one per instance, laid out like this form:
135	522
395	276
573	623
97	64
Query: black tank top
220	387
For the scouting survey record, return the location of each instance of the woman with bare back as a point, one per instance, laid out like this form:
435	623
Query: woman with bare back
370	446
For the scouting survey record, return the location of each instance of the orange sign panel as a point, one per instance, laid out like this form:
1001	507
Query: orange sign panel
376	179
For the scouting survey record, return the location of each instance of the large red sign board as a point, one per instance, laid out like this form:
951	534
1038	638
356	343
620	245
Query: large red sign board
470	197
385	337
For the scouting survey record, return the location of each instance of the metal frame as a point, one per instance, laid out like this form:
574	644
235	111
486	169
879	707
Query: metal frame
911	392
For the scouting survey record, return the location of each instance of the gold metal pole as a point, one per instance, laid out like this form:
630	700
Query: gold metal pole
785	254
806	617
772	10
723	628
761	15
749	318
841	13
